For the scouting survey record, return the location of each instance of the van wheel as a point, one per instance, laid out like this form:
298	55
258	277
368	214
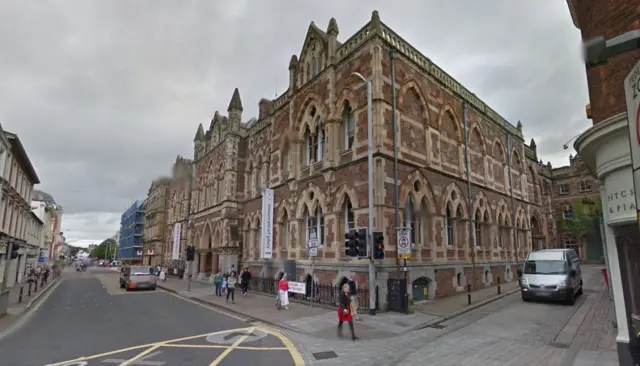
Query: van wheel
580	289
121	284
571	299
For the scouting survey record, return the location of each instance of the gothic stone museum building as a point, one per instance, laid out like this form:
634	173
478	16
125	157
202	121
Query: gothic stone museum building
310	146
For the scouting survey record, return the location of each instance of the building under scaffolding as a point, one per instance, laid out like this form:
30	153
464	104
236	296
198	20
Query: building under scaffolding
131	230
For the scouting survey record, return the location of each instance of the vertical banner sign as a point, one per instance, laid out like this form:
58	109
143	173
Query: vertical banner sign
266	222
632	94
175	249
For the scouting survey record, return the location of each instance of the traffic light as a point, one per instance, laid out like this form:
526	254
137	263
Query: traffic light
361	242
191	253
350	243
378	245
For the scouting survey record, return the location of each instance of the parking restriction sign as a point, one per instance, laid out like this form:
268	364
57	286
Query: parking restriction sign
404	244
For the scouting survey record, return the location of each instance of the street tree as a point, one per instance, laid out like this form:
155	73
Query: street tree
580	222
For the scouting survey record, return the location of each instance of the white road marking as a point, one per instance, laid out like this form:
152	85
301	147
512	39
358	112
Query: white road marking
207	306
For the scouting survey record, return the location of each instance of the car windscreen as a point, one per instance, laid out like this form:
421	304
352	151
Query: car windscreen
546	267
141	271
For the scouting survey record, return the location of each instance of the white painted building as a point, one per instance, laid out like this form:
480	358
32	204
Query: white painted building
17	225
45	208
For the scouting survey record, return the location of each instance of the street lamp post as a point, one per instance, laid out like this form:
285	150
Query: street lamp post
372	266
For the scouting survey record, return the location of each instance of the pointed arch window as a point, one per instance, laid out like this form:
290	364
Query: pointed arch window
448	226
221	187
307	69
315	224
500	231
285	236
348	217
320	138
349	126
477	230
258	236
258	173
248	178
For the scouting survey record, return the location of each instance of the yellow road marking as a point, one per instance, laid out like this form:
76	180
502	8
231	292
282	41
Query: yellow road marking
220	347
288	346
92	357
140	355
233	346
297	357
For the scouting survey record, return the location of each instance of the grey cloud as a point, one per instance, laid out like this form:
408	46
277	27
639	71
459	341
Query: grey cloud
104	94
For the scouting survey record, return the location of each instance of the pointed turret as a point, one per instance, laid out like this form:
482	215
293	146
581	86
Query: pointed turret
293	63
532	144
519	126
549	165
236	103
332	29
214	120
199	134
375	19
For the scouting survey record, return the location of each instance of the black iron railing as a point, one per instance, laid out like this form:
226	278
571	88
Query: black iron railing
316	292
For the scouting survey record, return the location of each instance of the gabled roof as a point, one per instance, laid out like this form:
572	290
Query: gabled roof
313	32
16	146
41	196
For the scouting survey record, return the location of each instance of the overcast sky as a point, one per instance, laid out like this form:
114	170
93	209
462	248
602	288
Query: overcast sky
105	94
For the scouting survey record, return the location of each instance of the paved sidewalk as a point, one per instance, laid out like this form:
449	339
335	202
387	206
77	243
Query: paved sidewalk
319	322
459	304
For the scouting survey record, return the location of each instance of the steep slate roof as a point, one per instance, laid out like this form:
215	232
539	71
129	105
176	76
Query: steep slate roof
41	196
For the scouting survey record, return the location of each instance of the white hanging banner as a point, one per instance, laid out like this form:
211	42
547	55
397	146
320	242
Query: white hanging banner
177	231
266	223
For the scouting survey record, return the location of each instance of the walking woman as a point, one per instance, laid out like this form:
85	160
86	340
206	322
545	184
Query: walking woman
217	282
283	290
231	287
344	312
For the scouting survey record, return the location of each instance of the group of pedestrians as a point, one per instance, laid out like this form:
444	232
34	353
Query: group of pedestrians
225	284
39	273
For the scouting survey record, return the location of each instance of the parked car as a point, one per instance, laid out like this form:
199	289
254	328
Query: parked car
552	274
138	277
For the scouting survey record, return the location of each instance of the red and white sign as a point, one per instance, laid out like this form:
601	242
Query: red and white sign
404	243
298	287
150	252
632	95
139	252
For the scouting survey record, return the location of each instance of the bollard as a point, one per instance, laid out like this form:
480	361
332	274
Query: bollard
498	278
20	295
35	289
29	293
469	294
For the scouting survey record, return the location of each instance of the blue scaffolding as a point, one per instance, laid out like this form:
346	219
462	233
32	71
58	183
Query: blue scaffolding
131	230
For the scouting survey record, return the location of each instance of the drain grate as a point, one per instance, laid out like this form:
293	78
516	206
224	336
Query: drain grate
437	326
325	355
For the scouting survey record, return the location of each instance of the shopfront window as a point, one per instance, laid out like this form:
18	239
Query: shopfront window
628	245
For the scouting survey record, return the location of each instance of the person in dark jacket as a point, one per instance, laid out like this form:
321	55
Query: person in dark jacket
245	278
634	342
353	294
344	311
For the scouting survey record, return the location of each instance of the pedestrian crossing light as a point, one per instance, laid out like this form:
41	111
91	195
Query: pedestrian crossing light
191	253
350	243
361	242
378	245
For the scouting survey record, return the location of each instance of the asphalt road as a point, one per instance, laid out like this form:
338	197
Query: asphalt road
89	319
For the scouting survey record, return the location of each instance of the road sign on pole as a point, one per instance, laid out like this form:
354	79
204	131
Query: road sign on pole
312	246
632	94
404	243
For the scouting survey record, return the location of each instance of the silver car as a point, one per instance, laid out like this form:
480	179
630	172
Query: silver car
138	277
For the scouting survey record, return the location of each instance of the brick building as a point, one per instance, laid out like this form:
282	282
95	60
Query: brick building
178	202
605	150
310	146
155	221
574	187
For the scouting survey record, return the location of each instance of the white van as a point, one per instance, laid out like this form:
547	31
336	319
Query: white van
552	274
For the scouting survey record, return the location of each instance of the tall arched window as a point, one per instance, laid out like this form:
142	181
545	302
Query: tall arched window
448	226
477	230
349	126
315	224
348	219
258	174
286	236
258	239
320	138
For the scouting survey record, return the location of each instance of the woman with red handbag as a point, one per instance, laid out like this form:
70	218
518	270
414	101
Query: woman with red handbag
344	311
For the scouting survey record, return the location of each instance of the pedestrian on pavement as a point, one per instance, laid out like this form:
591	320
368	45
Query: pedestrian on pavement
224	283
353	294
283	290
231	287
344	311
217	282
45	276
634	342
162	275
245	278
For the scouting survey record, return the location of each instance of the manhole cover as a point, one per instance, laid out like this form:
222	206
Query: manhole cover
325	355
437	326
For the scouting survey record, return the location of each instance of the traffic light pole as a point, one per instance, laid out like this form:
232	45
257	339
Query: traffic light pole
189	265
371	248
